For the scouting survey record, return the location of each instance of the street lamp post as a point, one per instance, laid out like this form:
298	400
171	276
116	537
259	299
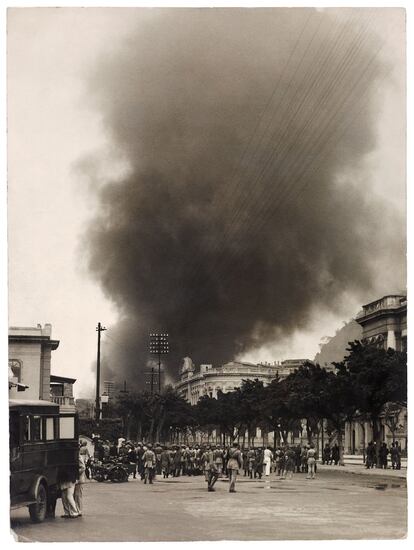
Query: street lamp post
158	345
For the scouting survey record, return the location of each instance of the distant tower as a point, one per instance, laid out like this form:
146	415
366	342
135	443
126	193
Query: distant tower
187	365
109	388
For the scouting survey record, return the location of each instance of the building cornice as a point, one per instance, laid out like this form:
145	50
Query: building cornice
43	340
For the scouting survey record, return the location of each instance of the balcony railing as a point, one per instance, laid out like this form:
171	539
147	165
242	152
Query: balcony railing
63	401
387	302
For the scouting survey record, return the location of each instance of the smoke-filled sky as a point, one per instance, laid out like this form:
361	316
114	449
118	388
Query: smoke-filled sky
235	178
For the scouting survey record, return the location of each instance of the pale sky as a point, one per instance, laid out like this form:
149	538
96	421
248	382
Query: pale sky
51	127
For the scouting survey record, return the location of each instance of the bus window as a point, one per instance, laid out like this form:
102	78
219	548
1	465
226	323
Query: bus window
14	431
49	429
35	428
25	421
67	427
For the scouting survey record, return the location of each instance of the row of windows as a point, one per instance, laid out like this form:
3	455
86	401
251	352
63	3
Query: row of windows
38	428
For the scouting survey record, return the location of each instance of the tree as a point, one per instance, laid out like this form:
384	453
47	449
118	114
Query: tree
276	411
305	390
339	402
206	413
392	413
378	376
107	428
250	400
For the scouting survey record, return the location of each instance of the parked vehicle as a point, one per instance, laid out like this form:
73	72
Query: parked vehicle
111	470
43	450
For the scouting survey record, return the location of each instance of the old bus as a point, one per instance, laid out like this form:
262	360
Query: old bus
43	451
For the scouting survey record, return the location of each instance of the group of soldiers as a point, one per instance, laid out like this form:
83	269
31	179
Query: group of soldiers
210	460
378	457
330	455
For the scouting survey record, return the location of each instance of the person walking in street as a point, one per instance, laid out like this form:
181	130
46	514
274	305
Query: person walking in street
218	460
383	456
149	464
399	452
250	460
234	464
210	466
177	462
87	458
267	460
326	454
157	452
165	463
245	462
304	460
205	459
298	459
311	462
370	452
258	463
66	484
290	463
393	455
140	463
132	460
78	491
335	454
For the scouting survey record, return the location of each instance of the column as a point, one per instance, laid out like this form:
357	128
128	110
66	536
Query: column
391	342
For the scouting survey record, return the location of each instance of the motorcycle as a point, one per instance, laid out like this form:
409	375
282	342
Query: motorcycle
109	471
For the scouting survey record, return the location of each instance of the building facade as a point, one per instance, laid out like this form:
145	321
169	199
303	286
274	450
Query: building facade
61	392
30	354
384	324
109	388
209	380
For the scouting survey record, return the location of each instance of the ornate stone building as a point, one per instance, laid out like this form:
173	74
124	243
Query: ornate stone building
209	380
384	324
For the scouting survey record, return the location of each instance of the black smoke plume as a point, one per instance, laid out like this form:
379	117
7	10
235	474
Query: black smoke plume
246	204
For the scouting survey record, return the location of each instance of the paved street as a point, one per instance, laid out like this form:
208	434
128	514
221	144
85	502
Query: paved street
337	505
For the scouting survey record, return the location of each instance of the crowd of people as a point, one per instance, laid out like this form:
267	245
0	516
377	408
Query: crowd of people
378	458
210	460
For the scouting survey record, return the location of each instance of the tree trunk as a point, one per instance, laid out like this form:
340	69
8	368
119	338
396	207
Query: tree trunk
159	428
376	435
309	433
151	431
341	449
362	425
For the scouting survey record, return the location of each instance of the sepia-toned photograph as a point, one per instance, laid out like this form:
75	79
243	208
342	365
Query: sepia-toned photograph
207	278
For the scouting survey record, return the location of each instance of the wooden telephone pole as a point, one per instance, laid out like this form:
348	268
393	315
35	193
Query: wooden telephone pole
99	329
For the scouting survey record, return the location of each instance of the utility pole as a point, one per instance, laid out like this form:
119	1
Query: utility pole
99	329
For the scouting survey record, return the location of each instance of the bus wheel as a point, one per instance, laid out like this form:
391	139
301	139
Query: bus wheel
38	510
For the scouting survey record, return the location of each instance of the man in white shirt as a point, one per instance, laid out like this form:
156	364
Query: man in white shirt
267	460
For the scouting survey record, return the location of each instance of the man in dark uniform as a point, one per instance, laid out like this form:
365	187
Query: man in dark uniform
326	455
140	463
234	464
211	468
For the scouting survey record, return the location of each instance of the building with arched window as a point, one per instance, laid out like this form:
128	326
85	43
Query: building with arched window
209	380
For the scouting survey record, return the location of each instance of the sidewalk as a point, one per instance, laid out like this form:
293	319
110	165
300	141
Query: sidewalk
360	469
